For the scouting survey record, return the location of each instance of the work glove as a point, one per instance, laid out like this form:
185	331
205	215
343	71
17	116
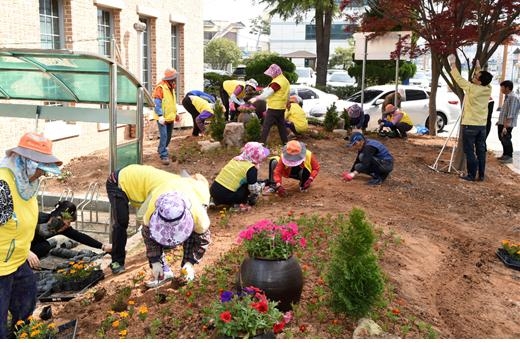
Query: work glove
157	271
252	100
387	123
347	176
106	247
188	272
452	59
307	183
281	191
161	120
232	106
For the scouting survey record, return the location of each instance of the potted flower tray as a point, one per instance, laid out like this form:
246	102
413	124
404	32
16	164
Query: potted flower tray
508	260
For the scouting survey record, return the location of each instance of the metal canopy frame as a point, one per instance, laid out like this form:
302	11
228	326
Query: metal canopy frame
31	77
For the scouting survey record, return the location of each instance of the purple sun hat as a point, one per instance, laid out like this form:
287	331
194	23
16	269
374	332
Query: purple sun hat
273	71
172	223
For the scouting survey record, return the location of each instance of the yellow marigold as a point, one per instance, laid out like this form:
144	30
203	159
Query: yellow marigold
35	333
505	241
131	302
51	326
20	322
111	312
143	309
23	335
123	332
30	318
123	314
115	324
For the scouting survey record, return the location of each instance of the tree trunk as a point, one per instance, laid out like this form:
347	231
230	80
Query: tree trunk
432	118
323	18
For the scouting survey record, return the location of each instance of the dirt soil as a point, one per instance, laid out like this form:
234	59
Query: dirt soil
442	266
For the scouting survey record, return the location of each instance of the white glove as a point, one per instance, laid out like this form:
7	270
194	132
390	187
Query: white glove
161	120
188	272
34	261
452	59
106	247
157	270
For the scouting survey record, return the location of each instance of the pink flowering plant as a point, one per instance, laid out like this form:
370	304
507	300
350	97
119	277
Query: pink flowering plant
265	239
245	314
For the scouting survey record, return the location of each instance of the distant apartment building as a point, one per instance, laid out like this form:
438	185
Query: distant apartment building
172	36
298	41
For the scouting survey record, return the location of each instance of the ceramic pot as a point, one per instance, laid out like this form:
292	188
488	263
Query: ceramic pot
281	280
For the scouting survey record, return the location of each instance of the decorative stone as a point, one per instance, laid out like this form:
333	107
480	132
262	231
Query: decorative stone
234	134
367	328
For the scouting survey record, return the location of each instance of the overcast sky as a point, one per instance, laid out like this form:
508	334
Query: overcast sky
231	10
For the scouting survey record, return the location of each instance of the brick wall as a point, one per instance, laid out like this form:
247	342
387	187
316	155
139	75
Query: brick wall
20	28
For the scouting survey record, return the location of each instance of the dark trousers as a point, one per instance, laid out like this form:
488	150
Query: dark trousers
18	296
474	144
377	167
507	144
402	128
360	122
188	105
274	117
224	96
120	213
223	196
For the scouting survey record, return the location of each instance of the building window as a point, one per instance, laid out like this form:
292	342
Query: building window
145	63
175	47
337	31
51	26
104	23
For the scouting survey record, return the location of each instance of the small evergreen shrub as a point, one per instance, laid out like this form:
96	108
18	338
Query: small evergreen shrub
353	273
330	122
346	119
218	122
253	130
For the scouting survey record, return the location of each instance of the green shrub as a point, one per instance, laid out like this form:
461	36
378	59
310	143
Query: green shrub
253	130
330	122
353	274
214	80
346	119
259	62
218	122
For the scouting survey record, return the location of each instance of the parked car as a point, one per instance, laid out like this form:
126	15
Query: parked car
340	79
306	76
332	71
240	72
315	101
420	79
415	103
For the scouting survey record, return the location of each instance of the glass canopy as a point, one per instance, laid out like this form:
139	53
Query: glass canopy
61	75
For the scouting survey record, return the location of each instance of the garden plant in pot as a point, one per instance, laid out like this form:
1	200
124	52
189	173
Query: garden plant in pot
509	253
271	264
78	275
245	314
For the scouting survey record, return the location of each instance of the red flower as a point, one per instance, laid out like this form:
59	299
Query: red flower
260	306
225	316
396	311
278	327
303	328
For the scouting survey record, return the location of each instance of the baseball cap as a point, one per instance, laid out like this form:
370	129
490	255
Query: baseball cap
356	137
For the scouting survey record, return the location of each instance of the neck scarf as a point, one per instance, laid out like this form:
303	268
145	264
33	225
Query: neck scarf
22	168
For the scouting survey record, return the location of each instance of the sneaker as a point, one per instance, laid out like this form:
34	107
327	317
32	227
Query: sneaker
165	161
117	268
375	181
506	159
467	178
156	283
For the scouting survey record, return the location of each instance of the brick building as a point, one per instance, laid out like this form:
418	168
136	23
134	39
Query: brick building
172	36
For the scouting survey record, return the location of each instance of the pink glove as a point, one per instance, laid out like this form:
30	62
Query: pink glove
307	183
347	176
232	106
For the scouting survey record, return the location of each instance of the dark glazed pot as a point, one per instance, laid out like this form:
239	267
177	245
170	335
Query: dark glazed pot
281	280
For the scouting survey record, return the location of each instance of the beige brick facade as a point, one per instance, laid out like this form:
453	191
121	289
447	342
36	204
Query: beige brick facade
20	28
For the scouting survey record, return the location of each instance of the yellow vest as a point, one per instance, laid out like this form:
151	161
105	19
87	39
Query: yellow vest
138	181
296	115
278	101
231	85
16	235
169	103
404	119
200	104
233	175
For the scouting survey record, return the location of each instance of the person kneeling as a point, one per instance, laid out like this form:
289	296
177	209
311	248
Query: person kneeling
373	158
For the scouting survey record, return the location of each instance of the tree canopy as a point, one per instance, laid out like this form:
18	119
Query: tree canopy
220	52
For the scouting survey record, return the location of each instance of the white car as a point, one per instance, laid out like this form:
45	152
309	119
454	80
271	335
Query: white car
315	101
415	103
306	76
340	79
420	79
